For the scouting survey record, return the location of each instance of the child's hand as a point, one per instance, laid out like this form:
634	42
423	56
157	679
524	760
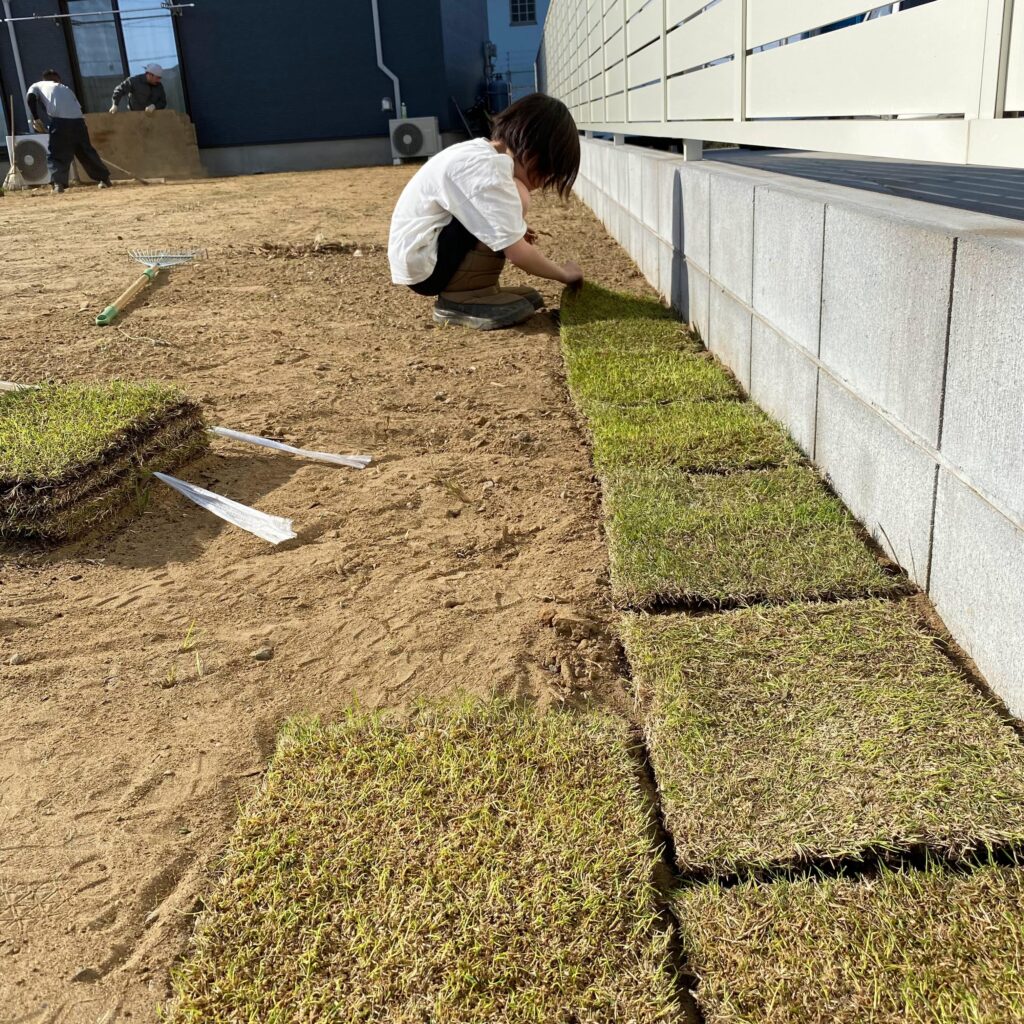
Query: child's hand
531	235
573	275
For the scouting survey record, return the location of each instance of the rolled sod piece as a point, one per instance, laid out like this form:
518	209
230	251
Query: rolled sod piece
707	541
73	455
689	436
810	734
926	946
481	862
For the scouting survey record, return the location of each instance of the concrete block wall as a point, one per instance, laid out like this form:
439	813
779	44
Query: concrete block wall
886	334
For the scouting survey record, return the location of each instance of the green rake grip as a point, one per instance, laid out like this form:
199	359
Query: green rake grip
111	313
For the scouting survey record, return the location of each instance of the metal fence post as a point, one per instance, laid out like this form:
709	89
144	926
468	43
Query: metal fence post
740	77
995	59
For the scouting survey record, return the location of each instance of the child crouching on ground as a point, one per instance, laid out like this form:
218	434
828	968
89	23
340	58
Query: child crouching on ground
464	213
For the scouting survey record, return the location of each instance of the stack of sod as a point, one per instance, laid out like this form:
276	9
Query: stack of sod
708	501
929	947
481	862
72	455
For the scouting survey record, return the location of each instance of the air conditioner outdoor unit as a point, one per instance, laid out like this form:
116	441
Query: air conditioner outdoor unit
29	152
414	136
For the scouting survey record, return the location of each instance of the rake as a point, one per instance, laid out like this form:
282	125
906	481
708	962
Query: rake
154	262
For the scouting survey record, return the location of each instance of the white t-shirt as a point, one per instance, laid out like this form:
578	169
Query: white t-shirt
470	181
58	100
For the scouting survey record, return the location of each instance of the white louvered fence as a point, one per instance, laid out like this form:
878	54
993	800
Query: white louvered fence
940	80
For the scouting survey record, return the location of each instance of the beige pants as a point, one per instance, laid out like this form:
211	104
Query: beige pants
479	271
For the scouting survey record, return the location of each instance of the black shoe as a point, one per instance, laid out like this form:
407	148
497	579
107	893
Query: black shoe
487	313
58	189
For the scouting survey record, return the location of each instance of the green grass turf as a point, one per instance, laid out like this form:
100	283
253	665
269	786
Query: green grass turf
927	947
592	302
789	735
625	377
689	436
480	863
774	535
50	431
634	336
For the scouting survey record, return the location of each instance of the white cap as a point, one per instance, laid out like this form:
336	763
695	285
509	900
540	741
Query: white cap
155	69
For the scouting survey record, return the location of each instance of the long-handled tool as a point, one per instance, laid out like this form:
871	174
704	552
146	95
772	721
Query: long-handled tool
154	262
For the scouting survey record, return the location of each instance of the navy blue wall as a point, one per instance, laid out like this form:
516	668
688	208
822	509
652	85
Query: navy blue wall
273	71
42	44
263	71
464	27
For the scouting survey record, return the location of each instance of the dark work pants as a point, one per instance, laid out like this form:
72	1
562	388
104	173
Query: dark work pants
69	140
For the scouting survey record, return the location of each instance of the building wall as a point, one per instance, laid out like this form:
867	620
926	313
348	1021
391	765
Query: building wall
42	45
517	44
263	72
259	74
885	333
464	28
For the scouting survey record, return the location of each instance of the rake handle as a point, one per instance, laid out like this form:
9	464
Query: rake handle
110	314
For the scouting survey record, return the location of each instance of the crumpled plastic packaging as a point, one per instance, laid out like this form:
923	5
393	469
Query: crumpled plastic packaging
274	529
352	461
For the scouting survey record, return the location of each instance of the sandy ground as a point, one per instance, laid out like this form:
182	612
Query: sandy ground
468	558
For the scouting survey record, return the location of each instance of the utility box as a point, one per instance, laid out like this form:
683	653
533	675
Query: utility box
414	137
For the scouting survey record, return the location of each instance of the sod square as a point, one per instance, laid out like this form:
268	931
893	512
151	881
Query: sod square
73	454
480	862
925	946
783	736
634	336
592	302
708	541
645	377
689	436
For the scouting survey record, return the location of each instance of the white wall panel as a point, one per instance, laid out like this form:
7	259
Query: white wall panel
613	19
679	9
615	79
769	20
1015	68
644	27
645	103
615	49
705	38
702	95
922	61
646	66
615	108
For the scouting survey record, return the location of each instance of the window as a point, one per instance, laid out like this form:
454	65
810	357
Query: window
117	38
524	12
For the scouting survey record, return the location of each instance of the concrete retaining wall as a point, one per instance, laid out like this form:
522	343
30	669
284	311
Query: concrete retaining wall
886	334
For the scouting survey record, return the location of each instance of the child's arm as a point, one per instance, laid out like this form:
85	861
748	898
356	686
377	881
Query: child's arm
533	261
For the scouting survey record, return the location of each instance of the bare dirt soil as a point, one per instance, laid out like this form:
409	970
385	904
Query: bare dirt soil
468	558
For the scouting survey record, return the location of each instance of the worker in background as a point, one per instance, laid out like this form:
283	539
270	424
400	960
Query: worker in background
69	137
144	92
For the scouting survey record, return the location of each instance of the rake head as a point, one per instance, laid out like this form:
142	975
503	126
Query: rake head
164	260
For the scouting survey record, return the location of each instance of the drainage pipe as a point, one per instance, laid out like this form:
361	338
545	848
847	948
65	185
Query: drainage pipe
380	62
17	61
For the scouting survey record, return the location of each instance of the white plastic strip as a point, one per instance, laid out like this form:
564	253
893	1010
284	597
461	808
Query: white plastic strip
9	385
271	528
352	461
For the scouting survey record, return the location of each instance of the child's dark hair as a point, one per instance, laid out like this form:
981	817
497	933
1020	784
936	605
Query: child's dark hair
540	133
49	75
